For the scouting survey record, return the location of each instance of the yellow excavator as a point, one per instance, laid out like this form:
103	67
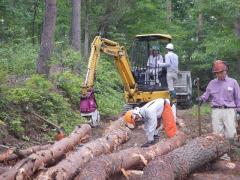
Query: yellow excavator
142	83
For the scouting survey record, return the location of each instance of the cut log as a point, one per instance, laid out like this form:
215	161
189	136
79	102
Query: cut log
38	160
4	169
11	155
206	176
182	161
104	166
69	167
132	174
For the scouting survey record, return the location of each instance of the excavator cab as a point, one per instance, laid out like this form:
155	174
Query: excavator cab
146	53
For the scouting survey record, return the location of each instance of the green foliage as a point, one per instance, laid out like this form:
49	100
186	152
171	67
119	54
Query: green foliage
16	125
66	56
18	59
38	94
71	84
205	110
109	87
34	91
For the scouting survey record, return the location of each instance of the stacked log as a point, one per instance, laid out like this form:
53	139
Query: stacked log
107	165
69	167
28	166
184	160
12	154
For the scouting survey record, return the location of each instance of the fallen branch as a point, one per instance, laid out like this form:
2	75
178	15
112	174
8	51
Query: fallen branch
69	167
182	161
40	159
104	166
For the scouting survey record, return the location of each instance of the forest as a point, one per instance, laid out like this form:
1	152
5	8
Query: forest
44	53
45	48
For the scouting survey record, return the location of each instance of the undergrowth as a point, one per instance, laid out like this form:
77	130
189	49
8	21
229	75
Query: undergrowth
56	98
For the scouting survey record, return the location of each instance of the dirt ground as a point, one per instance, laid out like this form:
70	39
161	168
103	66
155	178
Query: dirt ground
138	137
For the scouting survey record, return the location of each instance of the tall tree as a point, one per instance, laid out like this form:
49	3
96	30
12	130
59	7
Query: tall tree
169	11
35	7
200	26
75	27
237	31
47	37
86	29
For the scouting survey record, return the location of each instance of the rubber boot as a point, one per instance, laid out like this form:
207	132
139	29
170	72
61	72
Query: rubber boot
173	97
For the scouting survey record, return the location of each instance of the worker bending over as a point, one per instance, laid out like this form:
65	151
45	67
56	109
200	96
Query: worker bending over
153	114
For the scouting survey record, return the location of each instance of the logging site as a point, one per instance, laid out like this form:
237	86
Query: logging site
119	90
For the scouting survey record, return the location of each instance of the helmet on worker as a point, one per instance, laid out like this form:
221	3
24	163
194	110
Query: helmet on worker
219	66
131	116
156	48
170	46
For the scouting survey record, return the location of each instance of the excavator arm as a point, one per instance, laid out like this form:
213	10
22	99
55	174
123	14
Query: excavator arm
121	61
88	105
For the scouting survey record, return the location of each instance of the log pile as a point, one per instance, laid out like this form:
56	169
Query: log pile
103	167
68	167
13	154
28	166
101	159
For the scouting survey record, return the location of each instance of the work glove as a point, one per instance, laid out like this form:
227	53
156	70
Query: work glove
147	144
199	100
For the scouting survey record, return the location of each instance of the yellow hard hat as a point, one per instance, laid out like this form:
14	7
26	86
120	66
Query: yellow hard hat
129	120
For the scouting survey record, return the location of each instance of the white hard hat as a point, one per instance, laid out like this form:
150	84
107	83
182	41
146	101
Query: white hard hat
136	111
155	48
170	46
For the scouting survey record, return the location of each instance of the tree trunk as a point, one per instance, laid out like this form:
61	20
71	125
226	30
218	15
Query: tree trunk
47	37
35	6
70	166
8	156
182	161
200	27
169	11
103	167
75	27
205	176
31	164
86	37
237	26
237	30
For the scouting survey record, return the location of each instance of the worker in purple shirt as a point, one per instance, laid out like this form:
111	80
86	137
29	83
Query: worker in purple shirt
224	93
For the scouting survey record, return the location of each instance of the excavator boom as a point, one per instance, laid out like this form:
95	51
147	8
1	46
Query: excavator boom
120	58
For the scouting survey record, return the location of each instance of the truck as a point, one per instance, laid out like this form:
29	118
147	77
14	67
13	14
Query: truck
183	87
142	83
